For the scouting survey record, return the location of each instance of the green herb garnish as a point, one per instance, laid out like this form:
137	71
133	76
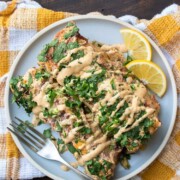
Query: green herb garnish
51	95
72	45
47	133
113	84
58	127
77	55
42	75
42	56
71	148
59	52
85	130
128	60
72	32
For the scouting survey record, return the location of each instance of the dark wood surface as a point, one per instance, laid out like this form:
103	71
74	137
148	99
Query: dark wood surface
144	9
140	8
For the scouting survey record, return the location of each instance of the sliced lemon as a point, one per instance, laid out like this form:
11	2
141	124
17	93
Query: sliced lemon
150	74
137	45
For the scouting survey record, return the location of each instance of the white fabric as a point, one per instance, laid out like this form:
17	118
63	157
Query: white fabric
2	169
3	5
18	38
27	171
3	124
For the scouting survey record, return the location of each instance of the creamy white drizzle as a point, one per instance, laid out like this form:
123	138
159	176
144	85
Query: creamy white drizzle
120	47
124	129
71	135
93	153
76	66
41	98
64	168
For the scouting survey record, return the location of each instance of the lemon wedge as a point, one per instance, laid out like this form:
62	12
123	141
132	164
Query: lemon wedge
150	74
137	45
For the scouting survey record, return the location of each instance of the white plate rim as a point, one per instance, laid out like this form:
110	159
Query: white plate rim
80	17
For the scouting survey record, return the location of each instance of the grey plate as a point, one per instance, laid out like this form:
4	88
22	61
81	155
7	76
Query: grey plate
105	30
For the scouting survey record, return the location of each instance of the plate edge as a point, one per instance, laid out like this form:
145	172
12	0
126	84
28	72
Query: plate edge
80	17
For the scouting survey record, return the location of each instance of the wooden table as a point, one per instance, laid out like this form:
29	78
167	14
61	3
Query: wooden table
145	9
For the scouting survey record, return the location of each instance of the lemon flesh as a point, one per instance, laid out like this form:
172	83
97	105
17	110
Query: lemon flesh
150	74
137	45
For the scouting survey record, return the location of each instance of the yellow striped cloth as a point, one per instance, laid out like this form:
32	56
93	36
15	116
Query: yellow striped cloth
20	20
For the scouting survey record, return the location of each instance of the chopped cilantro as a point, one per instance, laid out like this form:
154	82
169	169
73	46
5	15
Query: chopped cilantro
132	87
94	167
77	124
71	148
47	133
120	112
60	141
72	45
30	80
59	52
128	60
98	168
74	105
86	88
61	146
70	24
113	84
22	97
85	130
62	65
77	55
42	75
72	32
50	112
42	56
40	122
51	95
58	127
53	43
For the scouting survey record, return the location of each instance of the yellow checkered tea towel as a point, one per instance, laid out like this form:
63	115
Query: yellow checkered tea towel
21	20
